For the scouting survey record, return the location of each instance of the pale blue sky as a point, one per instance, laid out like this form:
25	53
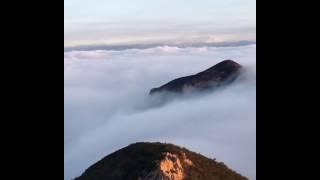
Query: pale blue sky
150	21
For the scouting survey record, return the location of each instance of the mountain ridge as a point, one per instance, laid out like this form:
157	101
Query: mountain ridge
158	161
223	73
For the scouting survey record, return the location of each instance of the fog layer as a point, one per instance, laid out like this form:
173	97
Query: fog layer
107	105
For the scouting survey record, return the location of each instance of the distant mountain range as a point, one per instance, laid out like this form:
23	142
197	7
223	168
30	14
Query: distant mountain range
147	46
157	161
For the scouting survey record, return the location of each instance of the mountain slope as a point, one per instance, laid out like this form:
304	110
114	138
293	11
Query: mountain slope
157	161
220	74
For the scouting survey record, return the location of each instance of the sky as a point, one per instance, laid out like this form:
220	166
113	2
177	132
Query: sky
158	21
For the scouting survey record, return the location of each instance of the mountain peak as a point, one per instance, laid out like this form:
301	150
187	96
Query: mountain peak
220	74
158	161
227	63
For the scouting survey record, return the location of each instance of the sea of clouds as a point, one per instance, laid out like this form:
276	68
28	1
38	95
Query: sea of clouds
107	105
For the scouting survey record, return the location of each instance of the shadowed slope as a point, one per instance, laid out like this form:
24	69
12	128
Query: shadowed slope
157	161
220	74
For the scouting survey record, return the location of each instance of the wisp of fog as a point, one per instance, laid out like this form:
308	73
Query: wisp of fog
107	105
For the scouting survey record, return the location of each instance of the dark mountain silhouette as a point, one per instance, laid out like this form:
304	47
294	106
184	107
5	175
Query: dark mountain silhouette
157	161
220	74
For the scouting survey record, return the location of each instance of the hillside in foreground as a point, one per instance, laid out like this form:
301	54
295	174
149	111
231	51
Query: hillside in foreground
158	161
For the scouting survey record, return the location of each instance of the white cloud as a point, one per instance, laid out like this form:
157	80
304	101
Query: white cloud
106	105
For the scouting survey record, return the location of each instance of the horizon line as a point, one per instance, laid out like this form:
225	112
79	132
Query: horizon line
121	47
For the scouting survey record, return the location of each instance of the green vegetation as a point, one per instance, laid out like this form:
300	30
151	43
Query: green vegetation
139	159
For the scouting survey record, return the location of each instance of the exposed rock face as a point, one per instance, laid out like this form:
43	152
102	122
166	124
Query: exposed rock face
170	168
220	74
157	161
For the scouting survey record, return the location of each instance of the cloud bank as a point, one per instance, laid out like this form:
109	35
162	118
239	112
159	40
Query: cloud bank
106	105
122	47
